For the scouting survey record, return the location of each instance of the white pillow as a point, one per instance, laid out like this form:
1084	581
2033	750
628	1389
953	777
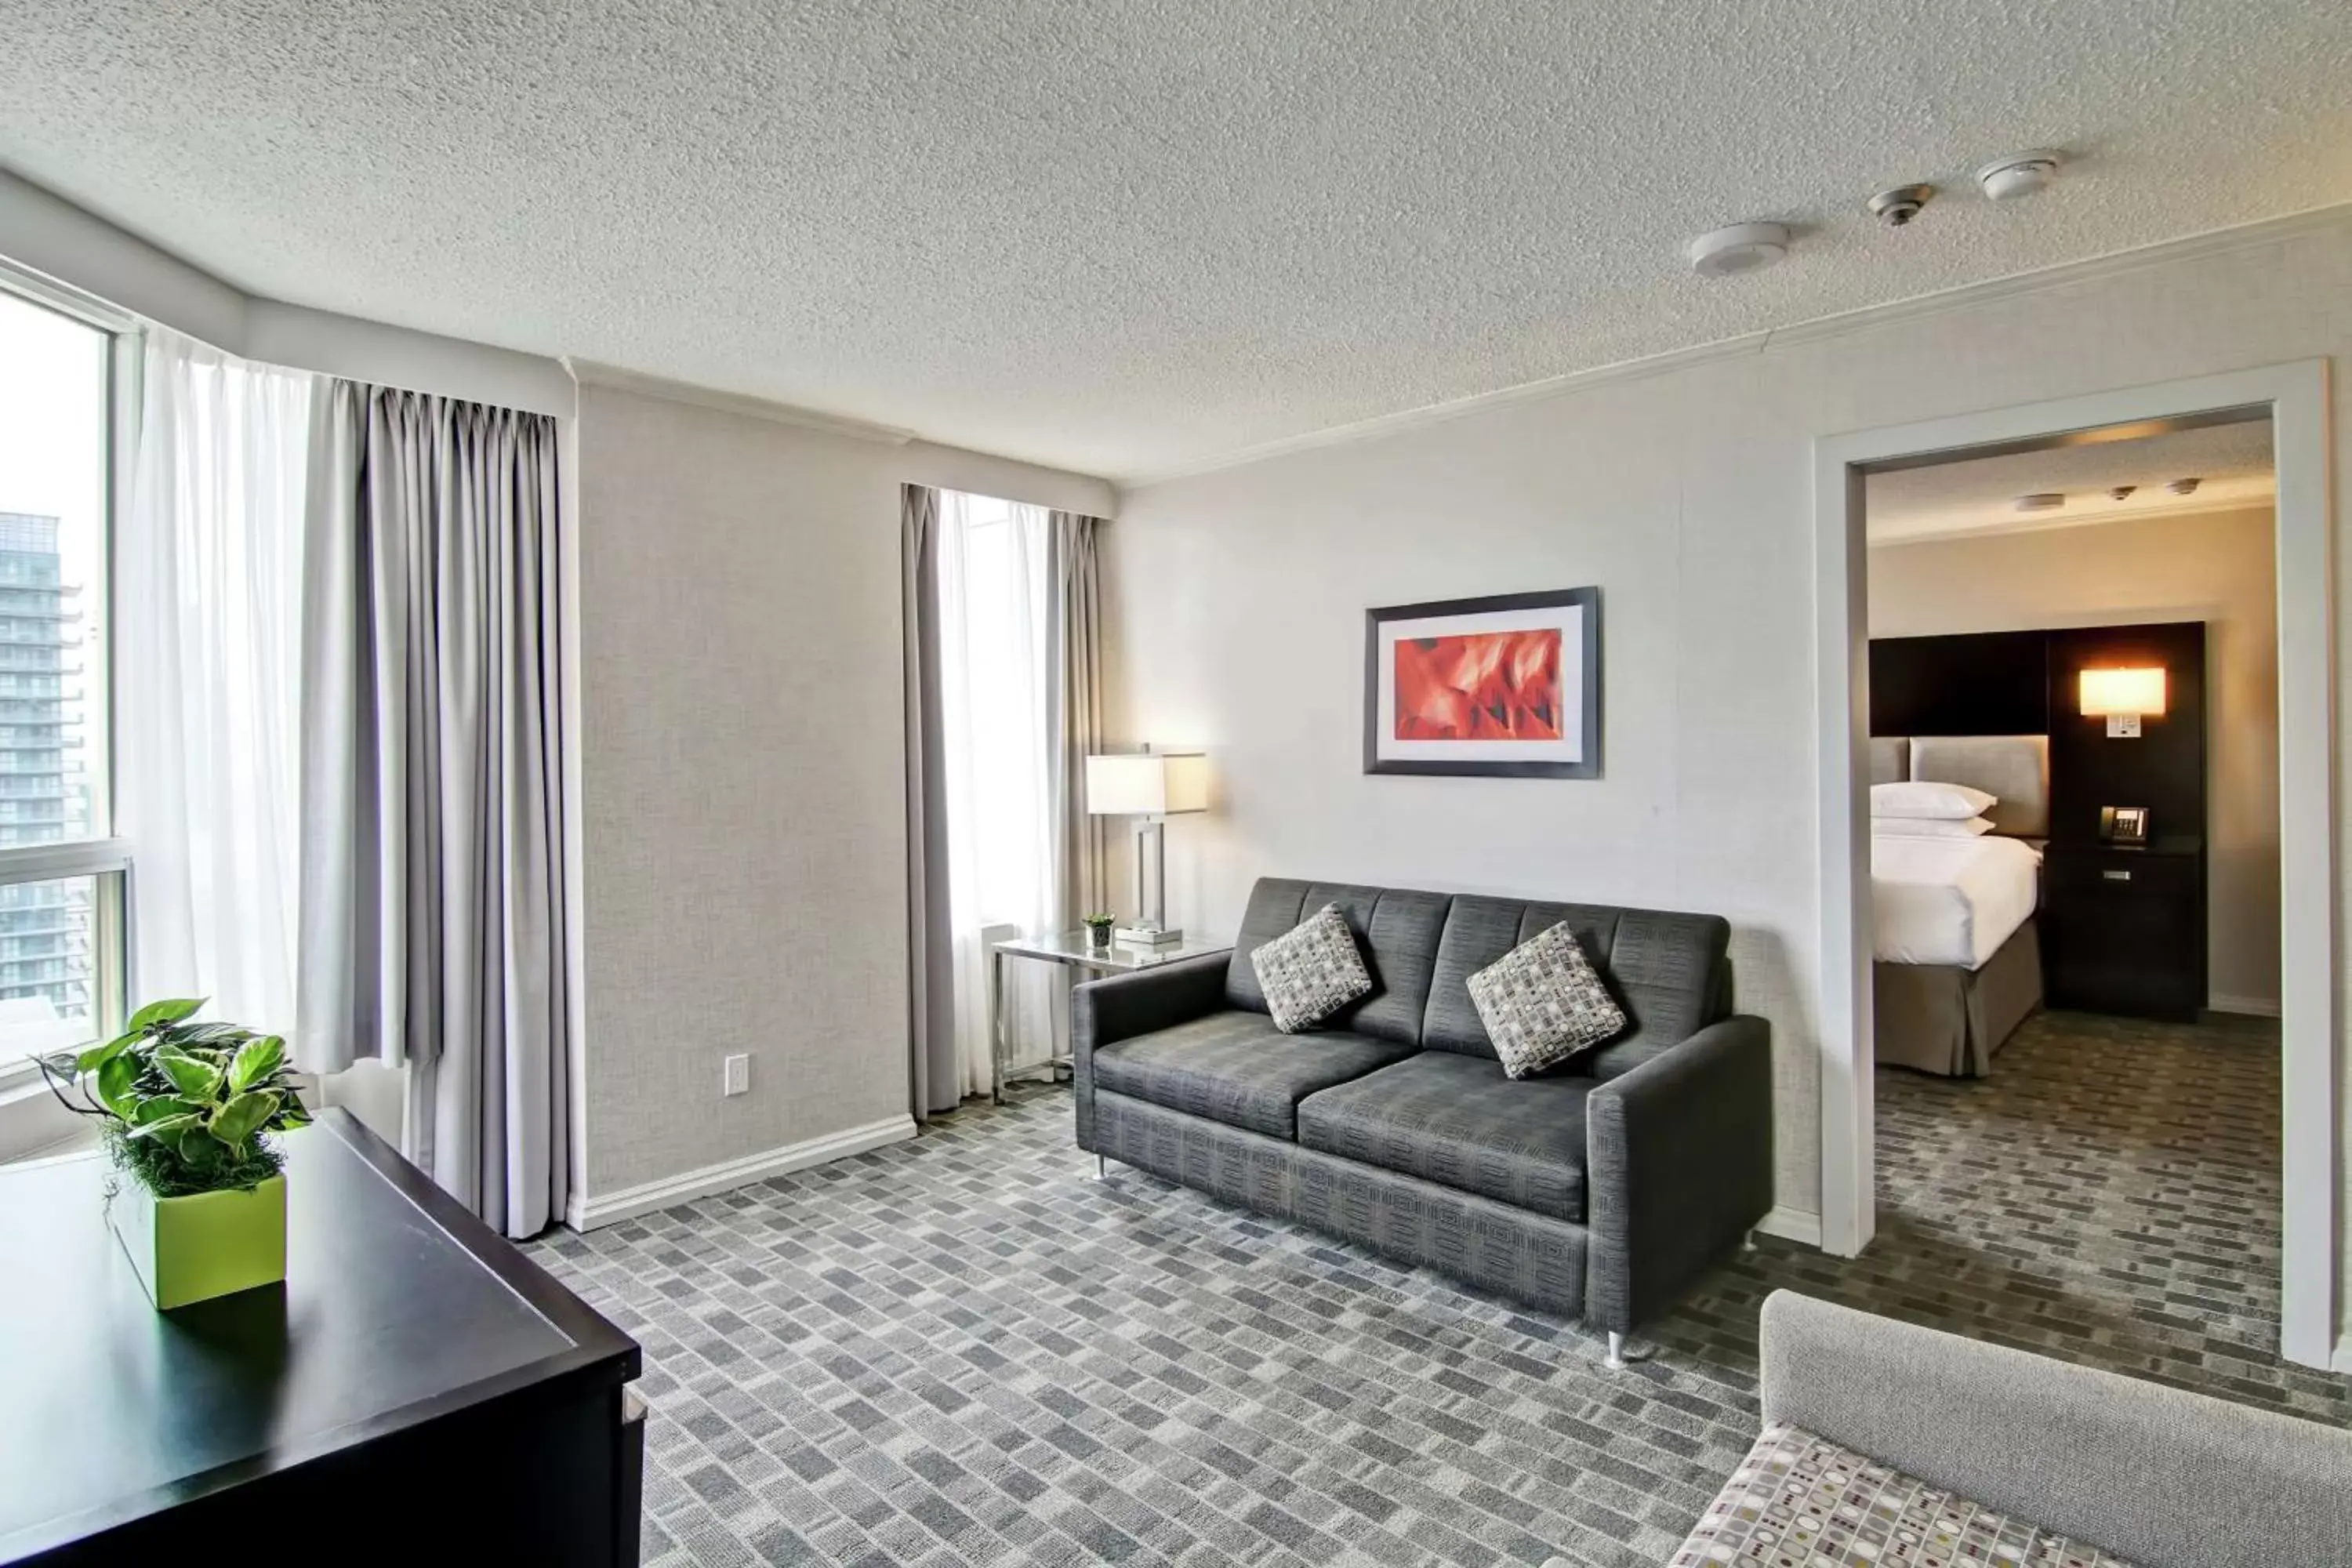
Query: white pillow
1927	827
1944	802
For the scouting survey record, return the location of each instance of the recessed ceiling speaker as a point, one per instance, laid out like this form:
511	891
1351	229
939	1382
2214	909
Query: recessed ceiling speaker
2043	500
2020	173
1742	248
2183	487
1900	206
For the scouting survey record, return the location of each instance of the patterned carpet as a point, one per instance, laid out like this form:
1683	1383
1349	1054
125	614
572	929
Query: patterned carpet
964	1349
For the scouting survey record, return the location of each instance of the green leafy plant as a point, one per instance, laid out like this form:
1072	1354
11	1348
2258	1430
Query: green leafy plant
187	1106
1099	922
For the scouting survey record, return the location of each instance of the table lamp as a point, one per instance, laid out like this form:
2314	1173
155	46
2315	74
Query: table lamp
1152	785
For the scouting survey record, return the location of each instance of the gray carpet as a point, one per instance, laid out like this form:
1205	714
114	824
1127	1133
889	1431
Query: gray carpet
964	1349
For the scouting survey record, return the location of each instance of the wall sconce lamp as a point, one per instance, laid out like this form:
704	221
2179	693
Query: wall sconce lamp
2123	697
1152	785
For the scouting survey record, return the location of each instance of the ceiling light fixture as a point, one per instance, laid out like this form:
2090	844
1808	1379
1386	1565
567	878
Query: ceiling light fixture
2020	173
2121	493
2042	501
2183	487
1742	248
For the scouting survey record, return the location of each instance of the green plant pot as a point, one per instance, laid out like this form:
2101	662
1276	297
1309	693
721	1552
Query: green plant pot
211	1244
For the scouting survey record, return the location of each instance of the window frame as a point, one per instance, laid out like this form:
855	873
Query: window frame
103	857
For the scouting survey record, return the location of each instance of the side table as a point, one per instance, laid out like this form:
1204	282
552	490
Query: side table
1071	949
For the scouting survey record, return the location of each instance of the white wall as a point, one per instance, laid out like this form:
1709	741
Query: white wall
2218	567
743	783
1686	495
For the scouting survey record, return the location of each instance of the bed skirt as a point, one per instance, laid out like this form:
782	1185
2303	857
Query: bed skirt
1941	1018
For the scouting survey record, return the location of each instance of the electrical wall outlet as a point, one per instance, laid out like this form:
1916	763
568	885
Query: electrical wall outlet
738	1075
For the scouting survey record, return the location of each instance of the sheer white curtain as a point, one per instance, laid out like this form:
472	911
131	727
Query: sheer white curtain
208	590
996	693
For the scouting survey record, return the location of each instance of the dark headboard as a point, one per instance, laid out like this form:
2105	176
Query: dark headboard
2019	683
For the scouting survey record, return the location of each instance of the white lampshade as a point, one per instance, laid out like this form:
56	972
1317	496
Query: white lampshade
1147	784
2122	691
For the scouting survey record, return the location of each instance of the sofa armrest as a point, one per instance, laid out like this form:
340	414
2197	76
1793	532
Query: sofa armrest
1121	1006
1678	1156
2159	1476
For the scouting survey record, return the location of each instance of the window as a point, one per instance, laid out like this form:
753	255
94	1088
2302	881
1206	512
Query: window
61	873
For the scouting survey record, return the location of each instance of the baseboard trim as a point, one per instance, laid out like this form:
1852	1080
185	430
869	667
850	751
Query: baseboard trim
2246	1006
587	1211
2343	1360
1792	1225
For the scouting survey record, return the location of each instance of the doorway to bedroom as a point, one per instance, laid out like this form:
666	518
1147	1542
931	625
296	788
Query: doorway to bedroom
2079	1019
2076	912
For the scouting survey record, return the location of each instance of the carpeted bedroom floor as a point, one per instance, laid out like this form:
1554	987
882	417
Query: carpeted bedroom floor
965	1350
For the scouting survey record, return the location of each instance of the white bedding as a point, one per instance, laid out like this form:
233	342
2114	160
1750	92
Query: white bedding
1949	901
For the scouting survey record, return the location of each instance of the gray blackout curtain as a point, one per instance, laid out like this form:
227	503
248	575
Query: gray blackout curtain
930	938
1074	642
431	867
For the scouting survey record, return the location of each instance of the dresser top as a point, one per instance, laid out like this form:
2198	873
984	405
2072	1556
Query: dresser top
398	1308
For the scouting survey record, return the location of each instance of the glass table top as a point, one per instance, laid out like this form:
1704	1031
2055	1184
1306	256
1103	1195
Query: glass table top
1071	947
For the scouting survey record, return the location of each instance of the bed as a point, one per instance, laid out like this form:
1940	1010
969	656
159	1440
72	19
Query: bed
1957	956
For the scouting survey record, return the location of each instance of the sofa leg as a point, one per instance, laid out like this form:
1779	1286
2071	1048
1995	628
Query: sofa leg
1618	1353
1102	1170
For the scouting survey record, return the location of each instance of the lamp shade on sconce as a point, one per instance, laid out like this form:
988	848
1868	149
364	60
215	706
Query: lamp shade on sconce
2126	692
1147	784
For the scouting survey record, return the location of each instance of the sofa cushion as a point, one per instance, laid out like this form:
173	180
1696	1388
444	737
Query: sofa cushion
1459	1121
1667	971
1311	970
1236	1068
1543	1002
1396	933
1801	1498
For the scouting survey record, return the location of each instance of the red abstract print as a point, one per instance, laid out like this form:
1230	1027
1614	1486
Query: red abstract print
1486	686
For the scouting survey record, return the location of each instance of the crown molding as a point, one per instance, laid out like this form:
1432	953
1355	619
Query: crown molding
589	373
2064	275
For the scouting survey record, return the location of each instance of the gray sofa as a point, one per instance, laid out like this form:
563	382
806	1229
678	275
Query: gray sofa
1599	1191
2158	1477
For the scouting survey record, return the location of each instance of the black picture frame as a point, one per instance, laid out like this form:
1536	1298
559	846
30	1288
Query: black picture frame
1588	766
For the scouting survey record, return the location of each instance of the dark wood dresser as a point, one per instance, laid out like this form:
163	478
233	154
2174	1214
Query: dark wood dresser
417	1391
2123	930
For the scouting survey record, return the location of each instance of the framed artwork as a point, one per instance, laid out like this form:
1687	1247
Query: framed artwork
1503	687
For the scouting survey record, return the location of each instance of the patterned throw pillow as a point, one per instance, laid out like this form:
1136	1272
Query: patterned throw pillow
1542	1002
1310	970
1801	1498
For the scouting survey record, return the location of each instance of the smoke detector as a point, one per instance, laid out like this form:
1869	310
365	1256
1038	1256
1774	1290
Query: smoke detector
2043	500
2020	173
2183	487
1742	248
1900	206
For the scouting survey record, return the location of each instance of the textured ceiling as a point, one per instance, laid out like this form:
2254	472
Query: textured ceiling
2232	464
1125	237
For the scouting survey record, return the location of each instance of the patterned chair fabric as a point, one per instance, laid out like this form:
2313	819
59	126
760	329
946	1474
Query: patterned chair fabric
1237	1069
1459	1121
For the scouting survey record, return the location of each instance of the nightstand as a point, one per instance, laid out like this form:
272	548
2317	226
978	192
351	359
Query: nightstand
2123	930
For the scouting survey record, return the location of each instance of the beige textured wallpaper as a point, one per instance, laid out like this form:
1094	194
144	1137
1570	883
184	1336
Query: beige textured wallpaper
2219	568
742	776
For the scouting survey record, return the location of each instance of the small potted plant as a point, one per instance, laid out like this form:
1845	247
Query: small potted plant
1098	931
200	1206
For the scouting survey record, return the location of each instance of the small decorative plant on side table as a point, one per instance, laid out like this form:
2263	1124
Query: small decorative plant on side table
1098	931
187	1108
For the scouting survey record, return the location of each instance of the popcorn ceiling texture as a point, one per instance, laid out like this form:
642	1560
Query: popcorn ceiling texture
1124	238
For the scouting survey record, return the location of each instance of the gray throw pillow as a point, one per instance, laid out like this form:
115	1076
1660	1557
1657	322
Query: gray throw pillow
1542	1002
1310	970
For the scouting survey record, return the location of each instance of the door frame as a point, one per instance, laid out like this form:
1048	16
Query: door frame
2295	398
